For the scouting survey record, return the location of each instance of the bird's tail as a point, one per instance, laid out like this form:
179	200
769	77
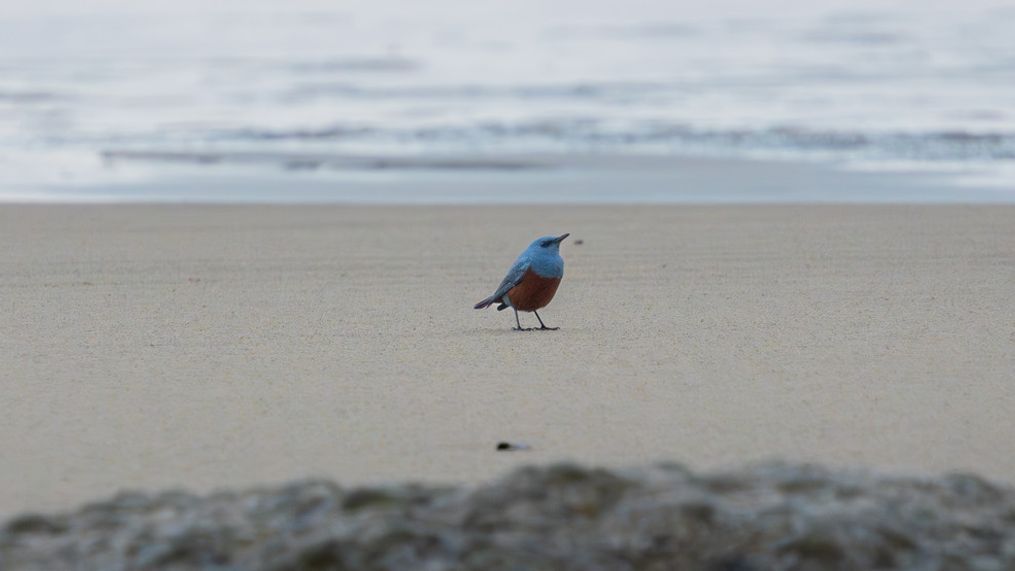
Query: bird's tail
485	303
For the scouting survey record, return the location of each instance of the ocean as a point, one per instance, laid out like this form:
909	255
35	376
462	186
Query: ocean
101	100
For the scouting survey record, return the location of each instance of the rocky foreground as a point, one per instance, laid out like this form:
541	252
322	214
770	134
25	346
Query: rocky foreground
774	516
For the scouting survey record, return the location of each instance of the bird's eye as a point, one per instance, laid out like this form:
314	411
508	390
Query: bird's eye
545	244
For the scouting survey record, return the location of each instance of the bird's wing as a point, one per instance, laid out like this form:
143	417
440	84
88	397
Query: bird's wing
513	278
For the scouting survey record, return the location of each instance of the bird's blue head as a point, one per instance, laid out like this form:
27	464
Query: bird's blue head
547	245
543	256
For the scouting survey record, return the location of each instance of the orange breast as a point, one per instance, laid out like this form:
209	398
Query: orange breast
534	292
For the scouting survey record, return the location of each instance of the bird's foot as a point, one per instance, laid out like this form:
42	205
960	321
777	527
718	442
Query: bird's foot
522	328
545	328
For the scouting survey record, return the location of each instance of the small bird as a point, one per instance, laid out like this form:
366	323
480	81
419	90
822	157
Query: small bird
531	281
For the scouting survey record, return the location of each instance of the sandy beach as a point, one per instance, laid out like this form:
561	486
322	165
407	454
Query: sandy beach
150	347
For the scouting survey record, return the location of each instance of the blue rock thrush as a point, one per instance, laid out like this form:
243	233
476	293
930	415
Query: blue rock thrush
531	281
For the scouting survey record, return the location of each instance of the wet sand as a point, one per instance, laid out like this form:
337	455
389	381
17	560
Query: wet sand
150	347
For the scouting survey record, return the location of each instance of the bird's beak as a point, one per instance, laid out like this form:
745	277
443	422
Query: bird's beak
560	238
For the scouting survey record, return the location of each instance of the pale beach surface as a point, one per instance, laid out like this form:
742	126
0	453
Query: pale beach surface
149	347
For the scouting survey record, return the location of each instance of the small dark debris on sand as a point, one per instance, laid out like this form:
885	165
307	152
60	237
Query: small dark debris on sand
579	242
771	516
509	446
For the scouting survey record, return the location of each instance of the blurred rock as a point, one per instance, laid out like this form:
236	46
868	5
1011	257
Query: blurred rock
770	516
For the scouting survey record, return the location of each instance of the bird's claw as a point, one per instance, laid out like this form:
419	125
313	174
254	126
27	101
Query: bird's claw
545	328
522	328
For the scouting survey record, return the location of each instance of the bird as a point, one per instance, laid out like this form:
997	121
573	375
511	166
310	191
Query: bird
531	281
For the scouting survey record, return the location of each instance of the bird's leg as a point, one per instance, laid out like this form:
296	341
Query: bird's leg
519	322
543	325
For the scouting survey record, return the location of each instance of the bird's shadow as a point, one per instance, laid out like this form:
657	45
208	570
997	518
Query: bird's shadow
513	332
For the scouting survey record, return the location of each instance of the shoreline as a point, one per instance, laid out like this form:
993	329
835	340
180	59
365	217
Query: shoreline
522	178
204	347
